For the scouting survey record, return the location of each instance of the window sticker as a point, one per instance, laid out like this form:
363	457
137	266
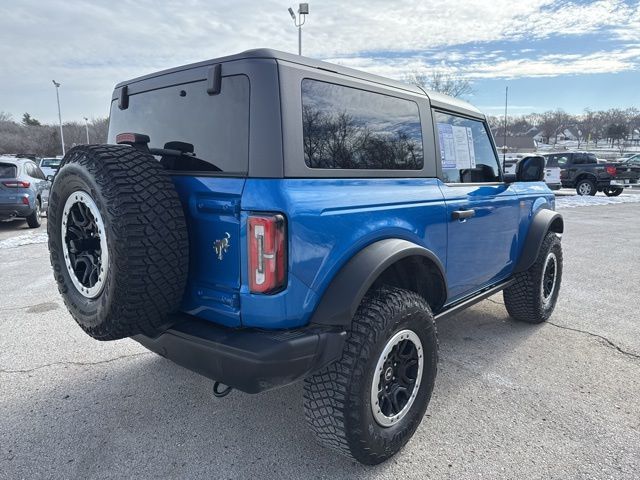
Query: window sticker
456	147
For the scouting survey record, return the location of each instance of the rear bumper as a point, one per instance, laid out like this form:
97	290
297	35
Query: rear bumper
17	210
247	359
624	182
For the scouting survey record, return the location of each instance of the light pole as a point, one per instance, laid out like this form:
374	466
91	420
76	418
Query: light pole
86	127
303	11
57	85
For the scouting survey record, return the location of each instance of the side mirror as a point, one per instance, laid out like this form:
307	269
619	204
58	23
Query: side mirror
530	169
49	178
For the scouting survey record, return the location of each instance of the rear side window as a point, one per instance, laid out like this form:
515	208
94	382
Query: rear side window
466	152
7	170
217	126
349	128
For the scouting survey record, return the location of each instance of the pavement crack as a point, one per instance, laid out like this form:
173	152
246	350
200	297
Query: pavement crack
79	364
605	339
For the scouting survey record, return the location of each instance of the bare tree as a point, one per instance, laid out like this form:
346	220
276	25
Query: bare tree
443	82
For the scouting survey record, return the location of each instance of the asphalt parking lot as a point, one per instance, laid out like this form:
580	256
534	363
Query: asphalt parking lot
559	400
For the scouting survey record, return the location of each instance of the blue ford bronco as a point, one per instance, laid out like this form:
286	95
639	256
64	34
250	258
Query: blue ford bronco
264	217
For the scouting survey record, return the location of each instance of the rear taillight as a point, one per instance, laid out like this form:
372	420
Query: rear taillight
16	184
267	253
611	170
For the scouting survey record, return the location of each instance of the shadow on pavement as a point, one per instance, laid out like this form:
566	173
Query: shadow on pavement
146	417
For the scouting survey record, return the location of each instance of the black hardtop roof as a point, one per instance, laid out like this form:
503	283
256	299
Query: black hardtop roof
437	99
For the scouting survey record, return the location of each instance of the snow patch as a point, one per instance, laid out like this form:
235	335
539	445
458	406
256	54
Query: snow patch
586	201
20	240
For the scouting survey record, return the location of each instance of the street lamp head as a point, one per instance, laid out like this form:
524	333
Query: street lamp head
303	9
293	15
55	83
85	119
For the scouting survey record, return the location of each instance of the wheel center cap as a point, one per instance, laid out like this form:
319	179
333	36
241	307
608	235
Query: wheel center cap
388	374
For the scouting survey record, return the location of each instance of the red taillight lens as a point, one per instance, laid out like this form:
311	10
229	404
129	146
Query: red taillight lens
611	170
25	200
267	253
16	184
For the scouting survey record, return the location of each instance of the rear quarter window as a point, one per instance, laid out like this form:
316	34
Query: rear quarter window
7	170
349	128
216	125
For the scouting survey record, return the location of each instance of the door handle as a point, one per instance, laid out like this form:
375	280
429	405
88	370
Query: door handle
462	214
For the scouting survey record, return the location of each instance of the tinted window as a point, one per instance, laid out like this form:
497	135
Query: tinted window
349	128
562	160
217	126
30	170
591	158
466	152
7	170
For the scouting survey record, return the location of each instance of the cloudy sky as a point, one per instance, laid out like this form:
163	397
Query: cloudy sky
552	54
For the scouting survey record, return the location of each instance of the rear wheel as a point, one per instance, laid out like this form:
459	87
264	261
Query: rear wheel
368	404
586	187
117	241
35	219
613	191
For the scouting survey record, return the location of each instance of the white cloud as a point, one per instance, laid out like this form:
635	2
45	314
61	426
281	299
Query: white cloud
91	45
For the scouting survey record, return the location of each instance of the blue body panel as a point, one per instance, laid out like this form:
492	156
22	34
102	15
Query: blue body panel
329	221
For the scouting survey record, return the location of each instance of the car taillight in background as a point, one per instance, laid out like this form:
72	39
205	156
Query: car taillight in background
267	236
611	170
16	184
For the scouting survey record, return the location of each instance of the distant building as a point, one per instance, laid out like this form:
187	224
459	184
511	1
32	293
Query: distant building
521	143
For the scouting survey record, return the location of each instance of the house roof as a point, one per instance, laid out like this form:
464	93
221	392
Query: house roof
516	142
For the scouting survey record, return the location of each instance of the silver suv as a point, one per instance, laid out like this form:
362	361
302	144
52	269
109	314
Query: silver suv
23	190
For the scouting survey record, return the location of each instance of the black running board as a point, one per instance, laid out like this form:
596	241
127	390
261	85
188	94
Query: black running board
469	301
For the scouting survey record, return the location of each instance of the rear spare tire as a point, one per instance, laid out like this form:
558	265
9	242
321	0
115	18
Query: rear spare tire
117	241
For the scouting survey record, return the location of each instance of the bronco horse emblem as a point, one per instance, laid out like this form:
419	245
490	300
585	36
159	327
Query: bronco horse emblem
221	246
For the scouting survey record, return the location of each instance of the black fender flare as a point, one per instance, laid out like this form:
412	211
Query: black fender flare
543	221
342	297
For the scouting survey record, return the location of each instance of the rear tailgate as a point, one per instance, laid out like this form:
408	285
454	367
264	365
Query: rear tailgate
9	195
625	174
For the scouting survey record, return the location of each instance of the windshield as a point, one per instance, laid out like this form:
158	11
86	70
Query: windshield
50	162
212	130
7	170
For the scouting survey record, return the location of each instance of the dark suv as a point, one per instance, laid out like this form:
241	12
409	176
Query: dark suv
264	217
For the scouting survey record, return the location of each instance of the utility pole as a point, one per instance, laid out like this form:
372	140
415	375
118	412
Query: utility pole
57	85
504	149
303	11
86	127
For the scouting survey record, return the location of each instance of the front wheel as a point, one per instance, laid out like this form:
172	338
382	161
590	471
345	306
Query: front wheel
368	404
612	191
533	295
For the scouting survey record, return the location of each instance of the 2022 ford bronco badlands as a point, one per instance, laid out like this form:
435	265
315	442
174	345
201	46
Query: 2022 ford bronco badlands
263	218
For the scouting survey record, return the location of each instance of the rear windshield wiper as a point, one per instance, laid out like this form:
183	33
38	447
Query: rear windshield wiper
169	154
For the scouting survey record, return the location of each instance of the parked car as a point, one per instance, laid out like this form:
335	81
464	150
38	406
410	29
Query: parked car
581	170
314	228
22	190
49	166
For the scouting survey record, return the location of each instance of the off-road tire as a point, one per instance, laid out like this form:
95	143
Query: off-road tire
337	400
613	192
146	238
523	298
592	190
35	220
